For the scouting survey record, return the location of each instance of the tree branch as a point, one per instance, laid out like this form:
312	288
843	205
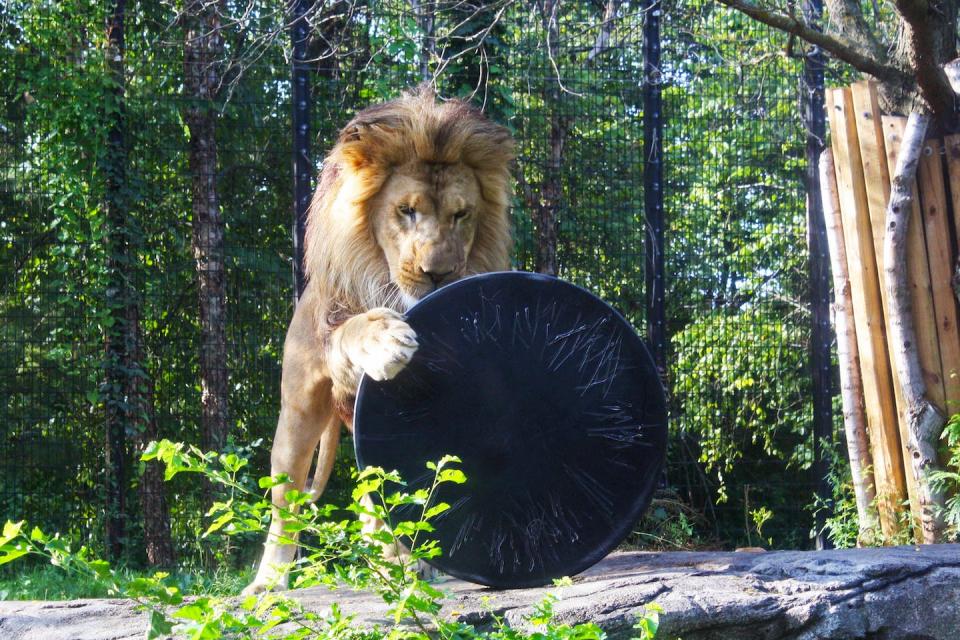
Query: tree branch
846	17
838	47
923	57
603	38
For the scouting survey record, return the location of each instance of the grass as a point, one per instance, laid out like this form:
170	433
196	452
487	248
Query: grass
46	582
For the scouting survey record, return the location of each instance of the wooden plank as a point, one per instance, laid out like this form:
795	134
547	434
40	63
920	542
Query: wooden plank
873	159
952	153
921	293
868	312
940	253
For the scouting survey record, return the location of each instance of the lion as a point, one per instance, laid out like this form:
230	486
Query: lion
414	195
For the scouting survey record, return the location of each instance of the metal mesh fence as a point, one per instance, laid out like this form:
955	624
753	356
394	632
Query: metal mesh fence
738	315
568	82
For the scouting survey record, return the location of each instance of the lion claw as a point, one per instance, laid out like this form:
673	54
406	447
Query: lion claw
387	346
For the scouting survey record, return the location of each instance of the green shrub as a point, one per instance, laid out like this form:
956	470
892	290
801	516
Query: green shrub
337	554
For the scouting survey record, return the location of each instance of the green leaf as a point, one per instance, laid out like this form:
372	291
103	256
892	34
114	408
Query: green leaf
195	611
219	523
10	531
9	554
160	627
268	482
436	510
364	487
451	475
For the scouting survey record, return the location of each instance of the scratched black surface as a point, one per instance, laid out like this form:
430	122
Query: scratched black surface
553	404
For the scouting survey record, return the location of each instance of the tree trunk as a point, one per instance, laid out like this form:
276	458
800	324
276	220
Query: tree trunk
551	191
203	48
926	40
117	343
425	10
153	500
129	404
924	420
851	385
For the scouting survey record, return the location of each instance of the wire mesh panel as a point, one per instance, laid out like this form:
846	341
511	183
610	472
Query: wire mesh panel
566	78
737	299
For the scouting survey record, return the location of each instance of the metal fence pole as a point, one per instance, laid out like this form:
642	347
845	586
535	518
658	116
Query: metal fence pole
653	185
302	165
821	337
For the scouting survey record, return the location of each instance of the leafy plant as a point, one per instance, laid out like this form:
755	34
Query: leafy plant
668	524
760	517
841	523
948	480
338	554
649	623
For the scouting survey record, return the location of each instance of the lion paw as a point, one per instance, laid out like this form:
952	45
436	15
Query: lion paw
263	585
386	345
255	588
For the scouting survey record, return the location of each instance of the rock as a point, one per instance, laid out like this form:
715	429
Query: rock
886	593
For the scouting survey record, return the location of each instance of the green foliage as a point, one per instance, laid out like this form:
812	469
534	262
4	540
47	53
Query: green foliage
948	480
841	523
34	581
668	524
649	623
338	555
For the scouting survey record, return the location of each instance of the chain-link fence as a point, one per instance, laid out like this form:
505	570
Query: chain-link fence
568	79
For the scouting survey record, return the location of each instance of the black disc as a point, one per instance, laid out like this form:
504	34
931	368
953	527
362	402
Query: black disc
554	406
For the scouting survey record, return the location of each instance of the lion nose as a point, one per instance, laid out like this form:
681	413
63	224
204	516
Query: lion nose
437	276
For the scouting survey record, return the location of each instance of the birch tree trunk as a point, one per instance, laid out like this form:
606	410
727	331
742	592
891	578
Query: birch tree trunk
924	420
851	384
202	53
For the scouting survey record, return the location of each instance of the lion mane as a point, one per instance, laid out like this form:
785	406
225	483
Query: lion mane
342	258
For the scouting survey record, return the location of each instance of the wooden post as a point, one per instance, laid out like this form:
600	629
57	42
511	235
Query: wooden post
868	311
951	145
940	254
926	422
851	383
866	109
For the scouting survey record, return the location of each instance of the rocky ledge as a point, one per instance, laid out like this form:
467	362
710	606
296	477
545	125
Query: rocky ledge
901	592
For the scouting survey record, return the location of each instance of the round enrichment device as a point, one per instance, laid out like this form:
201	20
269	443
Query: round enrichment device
554	406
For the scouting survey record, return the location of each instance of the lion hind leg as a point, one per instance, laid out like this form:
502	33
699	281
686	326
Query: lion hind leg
326	456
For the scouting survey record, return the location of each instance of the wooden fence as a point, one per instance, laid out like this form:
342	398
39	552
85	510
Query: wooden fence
863	154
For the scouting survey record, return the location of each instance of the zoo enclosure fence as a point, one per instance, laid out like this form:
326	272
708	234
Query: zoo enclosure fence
667	155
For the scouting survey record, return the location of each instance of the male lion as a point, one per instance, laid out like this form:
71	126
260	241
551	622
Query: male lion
414	195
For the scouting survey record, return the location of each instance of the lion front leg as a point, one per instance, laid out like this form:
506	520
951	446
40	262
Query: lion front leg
379	343
307	418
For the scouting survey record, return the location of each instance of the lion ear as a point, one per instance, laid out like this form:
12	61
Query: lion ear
350	134
369	138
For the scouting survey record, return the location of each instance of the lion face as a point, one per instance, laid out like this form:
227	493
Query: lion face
425	221
415	194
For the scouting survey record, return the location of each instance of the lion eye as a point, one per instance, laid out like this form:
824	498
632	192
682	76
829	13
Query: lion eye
460	215
407	211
